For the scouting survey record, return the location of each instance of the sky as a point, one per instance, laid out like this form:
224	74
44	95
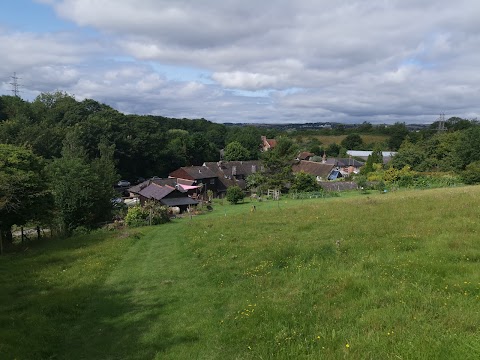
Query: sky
279	61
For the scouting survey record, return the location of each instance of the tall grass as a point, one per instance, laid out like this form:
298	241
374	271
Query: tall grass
387	276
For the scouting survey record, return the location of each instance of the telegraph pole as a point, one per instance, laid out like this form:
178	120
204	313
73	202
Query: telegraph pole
15	85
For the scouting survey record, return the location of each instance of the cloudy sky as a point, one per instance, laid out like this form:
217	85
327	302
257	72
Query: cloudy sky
250	61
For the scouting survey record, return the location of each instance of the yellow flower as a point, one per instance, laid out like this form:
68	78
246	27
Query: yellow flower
347	345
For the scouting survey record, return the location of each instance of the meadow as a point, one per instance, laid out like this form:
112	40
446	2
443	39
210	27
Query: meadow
337	139
375	276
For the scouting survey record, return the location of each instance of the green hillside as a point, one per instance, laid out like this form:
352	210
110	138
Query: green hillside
379	276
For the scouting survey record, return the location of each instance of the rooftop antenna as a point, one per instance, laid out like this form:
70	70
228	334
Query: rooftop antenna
15	85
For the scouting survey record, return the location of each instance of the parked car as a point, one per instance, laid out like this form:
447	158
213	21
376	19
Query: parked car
123	183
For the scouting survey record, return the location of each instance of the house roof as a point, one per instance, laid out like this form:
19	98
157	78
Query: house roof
305	155
235	168
348	162
313	168
227	171
162	182
155	191
272	143
187	187
268	143
193	173
335	174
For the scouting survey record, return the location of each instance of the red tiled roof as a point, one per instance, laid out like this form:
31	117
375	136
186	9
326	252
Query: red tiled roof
272	142
193	173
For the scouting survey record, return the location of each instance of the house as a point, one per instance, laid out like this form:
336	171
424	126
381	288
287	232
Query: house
180	184
321	171
200	176
346	166
166	195
268	144
231	173
305	155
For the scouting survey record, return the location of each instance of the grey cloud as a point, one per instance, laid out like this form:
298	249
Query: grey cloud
347	60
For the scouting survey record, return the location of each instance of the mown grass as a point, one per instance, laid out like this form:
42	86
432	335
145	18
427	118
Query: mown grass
390	276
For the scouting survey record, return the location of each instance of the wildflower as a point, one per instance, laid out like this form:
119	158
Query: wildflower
347	345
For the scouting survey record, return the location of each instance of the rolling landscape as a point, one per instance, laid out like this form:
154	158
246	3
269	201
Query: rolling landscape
379	275
242	180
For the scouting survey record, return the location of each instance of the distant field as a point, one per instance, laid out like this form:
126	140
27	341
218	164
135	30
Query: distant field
377	276
368	139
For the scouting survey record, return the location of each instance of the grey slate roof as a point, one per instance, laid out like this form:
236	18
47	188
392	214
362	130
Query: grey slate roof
230	173
162	182
156	192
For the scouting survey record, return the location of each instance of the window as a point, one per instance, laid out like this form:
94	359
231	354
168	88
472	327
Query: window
212	181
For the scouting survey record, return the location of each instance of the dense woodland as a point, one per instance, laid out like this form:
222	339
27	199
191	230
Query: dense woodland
60	157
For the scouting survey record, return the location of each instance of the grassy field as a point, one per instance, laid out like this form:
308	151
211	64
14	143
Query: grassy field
367	139
378	276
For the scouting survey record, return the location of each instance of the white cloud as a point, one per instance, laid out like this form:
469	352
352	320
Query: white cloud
347	60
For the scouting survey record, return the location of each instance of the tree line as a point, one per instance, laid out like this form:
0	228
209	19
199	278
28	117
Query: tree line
60	157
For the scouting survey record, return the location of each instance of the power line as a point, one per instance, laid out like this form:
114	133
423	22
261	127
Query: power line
15	85
441	123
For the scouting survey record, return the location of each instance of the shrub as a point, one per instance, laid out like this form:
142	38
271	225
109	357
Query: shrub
136	216
235	194
303	182
471	175
140	216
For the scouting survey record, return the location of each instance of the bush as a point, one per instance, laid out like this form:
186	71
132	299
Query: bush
471	175
234	194
136	216
140	216
303	182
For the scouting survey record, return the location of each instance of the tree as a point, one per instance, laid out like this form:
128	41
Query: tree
468	146
256	181
234	194
278	163
24	194
304	182
375	157
398	132
248	136
471	174
352	142
408	155
234	151
333	150
82	189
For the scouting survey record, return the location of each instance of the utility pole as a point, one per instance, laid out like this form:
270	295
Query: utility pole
15	85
